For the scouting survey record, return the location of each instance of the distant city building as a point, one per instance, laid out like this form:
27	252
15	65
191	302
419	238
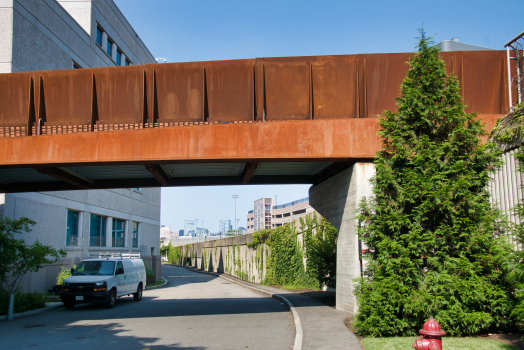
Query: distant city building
165	231
189	228
181	233
266	215
201	232
224	226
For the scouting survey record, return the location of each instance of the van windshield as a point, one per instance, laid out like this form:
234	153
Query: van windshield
95	268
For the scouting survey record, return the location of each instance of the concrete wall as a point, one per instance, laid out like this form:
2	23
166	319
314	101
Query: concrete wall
232	255
51	34
337	199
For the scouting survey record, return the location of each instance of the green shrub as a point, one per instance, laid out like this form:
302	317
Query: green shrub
63	274
23	301
149	269
174	255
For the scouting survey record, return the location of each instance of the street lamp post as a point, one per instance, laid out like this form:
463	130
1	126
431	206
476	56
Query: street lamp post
235	196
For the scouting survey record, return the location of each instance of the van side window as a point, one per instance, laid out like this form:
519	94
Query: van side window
119	268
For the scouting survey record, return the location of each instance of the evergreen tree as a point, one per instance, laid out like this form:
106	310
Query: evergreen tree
436	246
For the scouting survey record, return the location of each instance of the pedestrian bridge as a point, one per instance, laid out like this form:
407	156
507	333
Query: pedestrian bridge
290	120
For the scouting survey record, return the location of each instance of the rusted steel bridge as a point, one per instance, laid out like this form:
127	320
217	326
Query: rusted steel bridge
254	121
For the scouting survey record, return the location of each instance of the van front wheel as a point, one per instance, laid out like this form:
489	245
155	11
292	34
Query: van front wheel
138	295
112	299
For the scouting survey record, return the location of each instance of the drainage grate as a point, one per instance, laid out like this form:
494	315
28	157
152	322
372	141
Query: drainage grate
33	325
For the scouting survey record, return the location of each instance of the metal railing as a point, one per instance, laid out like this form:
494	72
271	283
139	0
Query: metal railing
116	255
517	45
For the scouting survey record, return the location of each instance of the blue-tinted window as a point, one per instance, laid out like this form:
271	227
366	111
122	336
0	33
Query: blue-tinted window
119	234
97	231
109	49
127	62
118	55
72	228
98	36
135	234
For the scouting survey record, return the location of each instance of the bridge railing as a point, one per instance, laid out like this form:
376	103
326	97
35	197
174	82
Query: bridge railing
236	91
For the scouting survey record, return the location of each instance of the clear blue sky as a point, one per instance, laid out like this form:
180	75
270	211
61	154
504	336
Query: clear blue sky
197	30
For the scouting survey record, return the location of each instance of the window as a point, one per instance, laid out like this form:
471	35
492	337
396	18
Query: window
97	232
278	216
301	211
118	56
135	234
119	233
76	65
128	63
119	268
287	214
99	36
72	228
109	48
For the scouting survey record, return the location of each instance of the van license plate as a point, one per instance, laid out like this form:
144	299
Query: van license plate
79	297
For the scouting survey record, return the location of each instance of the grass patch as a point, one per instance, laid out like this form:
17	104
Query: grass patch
157	283
403	343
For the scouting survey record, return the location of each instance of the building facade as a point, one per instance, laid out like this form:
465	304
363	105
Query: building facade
265	215
64	34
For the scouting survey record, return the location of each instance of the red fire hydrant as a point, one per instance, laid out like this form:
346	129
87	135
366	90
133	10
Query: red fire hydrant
431	339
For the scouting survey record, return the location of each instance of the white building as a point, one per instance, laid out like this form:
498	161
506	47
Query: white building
65	34
265	215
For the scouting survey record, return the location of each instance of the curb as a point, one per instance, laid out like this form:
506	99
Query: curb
299	332
32	312
159	286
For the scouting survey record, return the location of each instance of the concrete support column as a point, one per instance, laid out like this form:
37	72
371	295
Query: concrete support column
109	232
337	199
122	60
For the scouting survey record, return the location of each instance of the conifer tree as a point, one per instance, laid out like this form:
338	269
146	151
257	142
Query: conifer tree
436	246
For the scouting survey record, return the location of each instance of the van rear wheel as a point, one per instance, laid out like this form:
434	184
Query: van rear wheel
112	299
138	295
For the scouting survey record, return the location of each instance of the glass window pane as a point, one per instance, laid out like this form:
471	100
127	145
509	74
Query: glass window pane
97	232
109	47
98	36
135	234
118	58
118	233
72	228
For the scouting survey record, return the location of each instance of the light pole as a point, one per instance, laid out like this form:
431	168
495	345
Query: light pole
196	226
236	232
235	196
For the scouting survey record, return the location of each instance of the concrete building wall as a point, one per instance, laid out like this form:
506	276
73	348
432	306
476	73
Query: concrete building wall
337	199
506	187
55	34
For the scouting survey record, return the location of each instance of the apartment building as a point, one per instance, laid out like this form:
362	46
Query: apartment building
265	215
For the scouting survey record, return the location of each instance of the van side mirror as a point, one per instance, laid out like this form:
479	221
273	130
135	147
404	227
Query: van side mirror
72	270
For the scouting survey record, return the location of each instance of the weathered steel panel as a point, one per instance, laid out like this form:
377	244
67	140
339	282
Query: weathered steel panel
229	90
285	89
380	78
175	92
67	96
14	98
335	88
120	94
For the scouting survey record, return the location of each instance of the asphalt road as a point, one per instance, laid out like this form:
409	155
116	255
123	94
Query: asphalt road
194	311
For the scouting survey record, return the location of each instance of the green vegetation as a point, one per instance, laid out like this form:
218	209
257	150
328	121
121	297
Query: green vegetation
23	301
447	343
173	254
157	283
63	274
18	258
436	245
284	257
149	269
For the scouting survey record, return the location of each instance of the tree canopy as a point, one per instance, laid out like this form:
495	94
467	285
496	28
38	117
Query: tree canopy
434	238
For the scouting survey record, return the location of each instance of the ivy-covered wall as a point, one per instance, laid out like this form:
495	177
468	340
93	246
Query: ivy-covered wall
297	255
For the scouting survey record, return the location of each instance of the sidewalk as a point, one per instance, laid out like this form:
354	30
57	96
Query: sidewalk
323	327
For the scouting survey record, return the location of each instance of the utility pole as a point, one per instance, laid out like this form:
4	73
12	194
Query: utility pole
237	220
235	196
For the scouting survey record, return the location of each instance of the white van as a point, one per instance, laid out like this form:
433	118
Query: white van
104	280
